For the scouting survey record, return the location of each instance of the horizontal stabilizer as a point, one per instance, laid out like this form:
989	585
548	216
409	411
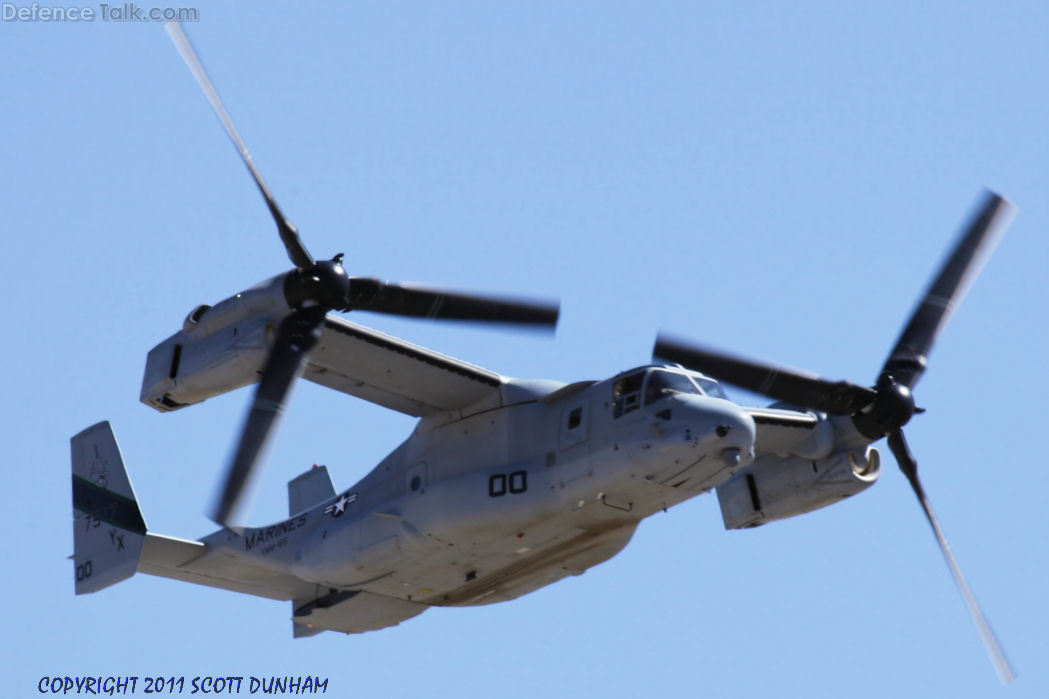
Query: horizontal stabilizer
195	562
110	542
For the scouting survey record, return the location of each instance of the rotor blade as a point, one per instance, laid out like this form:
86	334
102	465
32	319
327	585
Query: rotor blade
909	466
789	385
288	234
297	335
368	294
906	362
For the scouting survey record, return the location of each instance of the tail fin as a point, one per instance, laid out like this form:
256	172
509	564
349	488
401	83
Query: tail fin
108	529
311	488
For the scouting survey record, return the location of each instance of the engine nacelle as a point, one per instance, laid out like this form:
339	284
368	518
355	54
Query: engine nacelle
776	488
219	348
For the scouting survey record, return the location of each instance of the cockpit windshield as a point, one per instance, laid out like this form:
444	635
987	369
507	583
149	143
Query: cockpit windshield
658	384
710	387
664	383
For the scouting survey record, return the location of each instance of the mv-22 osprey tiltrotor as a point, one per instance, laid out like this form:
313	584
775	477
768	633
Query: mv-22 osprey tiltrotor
505	485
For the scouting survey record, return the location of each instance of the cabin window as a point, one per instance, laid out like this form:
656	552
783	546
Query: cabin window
573	426
574	418
415	478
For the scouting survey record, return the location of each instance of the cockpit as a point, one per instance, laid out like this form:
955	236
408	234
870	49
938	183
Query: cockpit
651	385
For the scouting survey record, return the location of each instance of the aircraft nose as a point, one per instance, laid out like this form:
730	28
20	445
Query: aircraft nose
734	431
715	426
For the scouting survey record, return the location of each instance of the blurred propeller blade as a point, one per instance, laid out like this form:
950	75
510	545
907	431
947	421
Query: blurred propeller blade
909	466
297	335
907	361
789	385
367	294
300	257
884	409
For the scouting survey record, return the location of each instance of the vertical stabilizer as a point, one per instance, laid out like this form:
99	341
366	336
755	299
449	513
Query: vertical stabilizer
108	529
302	630
309	489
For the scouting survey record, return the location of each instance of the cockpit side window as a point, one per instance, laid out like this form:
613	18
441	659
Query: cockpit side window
626	394
664	383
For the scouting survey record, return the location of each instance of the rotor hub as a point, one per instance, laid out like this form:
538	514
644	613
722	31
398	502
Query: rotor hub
324	283
891	409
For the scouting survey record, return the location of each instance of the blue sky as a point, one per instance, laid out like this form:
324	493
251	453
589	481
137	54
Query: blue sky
775	178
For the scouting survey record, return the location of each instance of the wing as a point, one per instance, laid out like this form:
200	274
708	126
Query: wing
778	429
396	374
